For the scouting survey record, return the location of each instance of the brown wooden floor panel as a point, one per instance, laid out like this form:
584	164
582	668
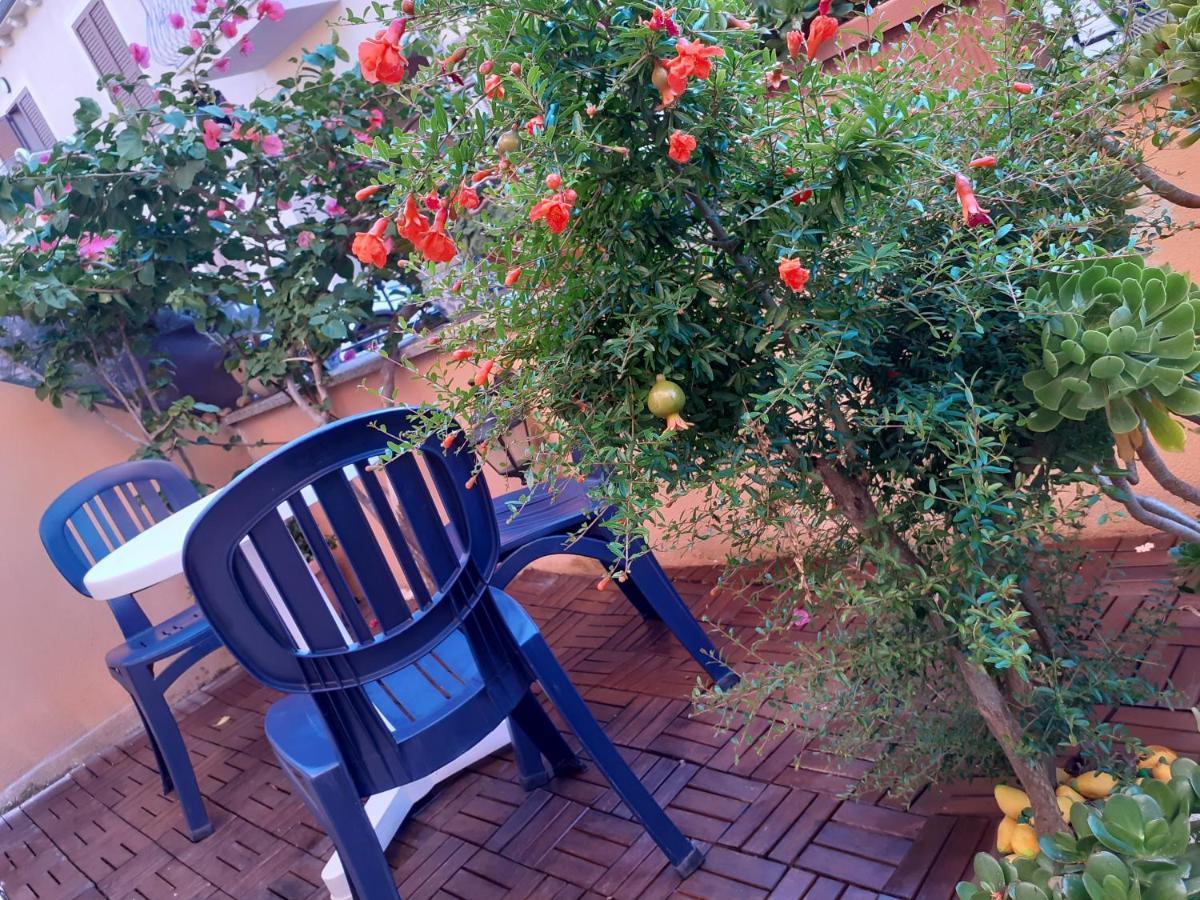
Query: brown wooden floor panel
769	813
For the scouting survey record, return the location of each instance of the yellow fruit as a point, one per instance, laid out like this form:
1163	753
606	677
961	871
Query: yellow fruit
1157	755
1025	841
1095	785
1162	772
1064	806
1064	790
1012	802
1061	776
1004	835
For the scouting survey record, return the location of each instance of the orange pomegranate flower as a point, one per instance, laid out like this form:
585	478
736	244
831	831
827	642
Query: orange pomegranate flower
492	88
369	246
413	226
682	145
661	20
467	197
820	29
793	274
379	57
437	246
795	41
973	213
693	60
555	209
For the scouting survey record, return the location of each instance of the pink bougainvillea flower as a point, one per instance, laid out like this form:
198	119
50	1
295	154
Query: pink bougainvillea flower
140	54
821	29
662	20
983	162
246	46
795	43
681	146
304	239
793	274
973	214
379	57
195	40
800	618
693	60
93	247
47	246
332	207
270	9
437	246
368	246
229	28
493	89
175	20
272	145
555	210
221	66
212	134
375	119
199	7
534	125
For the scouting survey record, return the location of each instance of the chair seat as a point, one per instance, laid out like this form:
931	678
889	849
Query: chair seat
408	700
544	513
182	631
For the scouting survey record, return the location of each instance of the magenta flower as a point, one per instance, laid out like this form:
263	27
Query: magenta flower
375	119
140	54
304	239
199	7
800	618
195	40
246	47
270	9
175	20
47	246
283	204
216	212
332	207
212	134
92	247
221	66
272	145
229	28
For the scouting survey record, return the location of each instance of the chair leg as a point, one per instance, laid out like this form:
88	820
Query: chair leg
164	733
167	784
682	853
335	804
647	577
535	736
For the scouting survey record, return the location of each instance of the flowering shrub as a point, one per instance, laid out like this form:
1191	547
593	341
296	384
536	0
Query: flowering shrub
239	217
793	261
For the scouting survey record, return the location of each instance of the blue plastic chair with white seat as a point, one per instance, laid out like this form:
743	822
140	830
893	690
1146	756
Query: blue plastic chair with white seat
83	525
404	657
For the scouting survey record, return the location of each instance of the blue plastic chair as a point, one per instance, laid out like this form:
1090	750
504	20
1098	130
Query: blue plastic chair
384	691
88	521
543	522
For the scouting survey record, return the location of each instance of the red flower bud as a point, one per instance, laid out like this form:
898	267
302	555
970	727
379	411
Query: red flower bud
554	181
510	277
369	191
1022	87
461	353
485	68
983	162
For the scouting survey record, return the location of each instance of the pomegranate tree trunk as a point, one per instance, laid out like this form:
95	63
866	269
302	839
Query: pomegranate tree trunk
1036	774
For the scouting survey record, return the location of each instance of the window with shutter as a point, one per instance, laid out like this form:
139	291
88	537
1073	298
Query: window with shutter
24	127
108	49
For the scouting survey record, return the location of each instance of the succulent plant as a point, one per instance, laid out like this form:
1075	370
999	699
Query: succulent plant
1173	49
1121	337
1135	845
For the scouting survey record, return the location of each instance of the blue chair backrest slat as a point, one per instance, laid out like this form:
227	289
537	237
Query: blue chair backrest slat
423	516
386	517
347	604
93	517
356	540
293	579
451	667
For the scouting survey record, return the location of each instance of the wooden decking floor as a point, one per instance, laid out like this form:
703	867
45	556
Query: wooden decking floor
774	824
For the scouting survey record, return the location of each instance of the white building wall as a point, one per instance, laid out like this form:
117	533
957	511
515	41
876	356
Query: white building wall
47	59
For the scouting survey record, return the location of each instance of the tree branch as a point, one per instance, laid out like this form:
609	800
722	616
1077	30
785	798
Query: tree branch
1157	467
318	415
1120	490
1150	179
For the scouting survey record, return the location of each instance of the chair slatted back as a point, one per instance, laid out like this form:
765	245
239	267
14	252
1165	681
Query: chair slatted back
101	512
330	574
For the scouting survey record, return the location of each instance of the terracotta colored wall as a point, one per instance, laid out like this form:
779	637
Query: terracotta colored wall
54	688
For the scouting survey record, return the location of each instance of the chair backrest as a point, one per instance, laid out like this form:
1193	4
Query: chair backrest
101	512
417	549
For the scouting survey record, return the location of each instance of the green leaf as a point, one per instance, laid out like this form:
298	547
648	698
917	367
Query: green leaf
129	145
